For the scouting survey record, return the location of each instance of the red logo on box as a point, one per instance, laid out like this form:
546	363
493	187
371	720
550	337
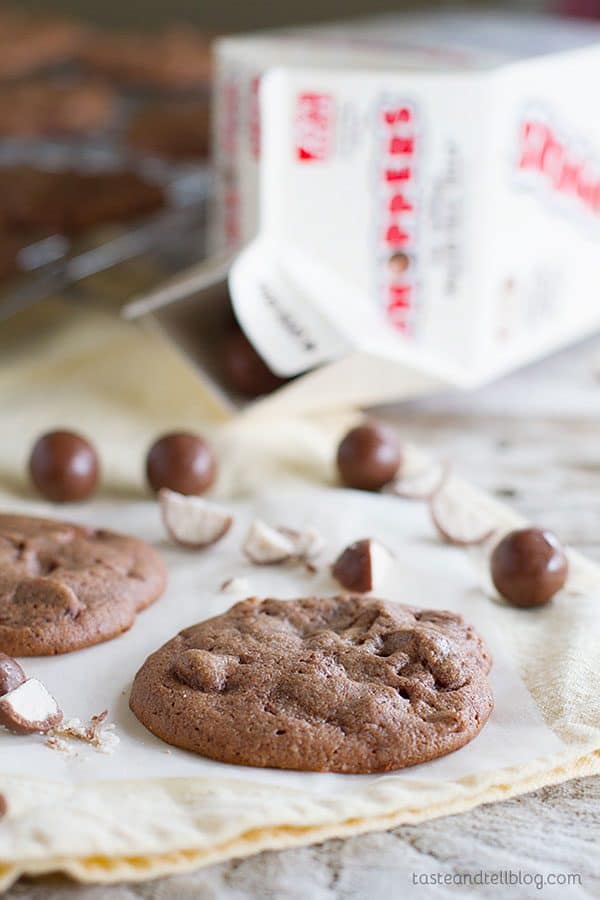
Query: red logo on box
314	124
559	163
396	213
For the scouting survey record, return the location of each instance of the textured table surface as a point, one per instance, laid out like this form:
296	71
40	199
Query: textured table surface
534	439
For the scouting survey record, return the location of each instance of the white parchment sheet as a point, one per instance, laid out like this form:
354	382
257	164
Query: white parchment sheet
427	573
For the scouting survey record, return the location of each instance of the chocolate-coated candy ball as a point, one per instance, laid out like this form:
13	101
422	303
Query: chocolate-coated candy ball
182	462
64	466
528	567
368	457
245	370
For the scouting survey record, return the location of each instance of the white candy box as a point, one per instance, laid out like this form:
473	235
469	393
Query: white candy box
402	204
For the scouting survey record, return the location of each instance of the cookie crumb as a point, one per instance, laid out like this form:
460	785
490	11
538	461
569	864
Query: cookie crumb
97	734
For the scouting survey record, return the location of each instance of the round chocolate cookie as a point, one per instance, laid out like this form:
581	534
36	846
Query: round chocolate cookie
337	684
63	587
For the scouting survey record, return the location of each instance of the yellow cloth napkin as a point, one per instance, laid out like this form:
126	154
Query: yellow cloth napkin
123	385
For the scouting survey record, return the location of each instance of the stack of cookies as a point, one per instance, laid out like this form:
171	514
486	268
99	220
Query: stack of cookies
68	91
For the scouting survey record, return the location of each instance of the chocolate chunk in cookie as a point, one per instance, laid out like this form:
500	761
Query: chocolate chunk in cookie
63	587
337	684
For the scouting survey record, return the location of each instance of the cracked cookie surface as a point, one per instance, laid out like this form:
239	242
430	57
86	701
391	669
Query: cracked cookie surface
337	684
63	587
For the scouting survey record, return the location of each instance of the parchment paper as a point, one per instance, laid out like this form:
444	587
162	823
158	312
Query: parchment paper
426	572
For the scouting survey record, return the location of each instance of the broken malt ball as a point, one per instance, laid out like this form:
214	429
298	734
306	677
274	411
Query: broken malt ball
192	521
11	674
29	708
458	523
363	566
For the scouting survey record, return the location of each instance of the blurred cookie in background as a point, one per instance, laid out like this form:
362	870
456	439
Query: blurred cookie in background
176	58
42	109
71	202
92	199
84	122
29	43
176	131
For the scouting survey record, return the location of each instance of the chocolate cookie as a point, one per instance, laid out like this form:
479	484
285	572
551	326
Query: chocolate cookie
31	42
176	58
71	202
42	109
341	684
176	131
63	587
